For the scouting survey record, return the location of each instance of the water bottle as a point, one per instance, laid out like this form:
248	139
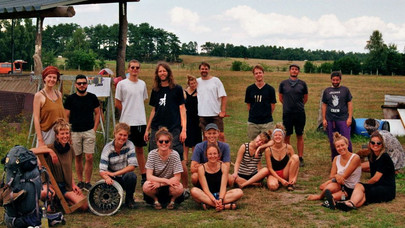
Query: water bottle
343	197
44	219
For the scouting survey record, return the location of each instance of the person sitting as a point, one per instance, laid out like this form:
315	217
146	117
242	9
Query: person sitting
118	161
212	134
213	178
163	173
345	172
392	146
380	187
281	161
59	157
248	168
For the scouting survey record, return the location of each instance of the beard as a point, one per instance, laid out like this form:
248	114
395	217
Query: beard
335	85
82	91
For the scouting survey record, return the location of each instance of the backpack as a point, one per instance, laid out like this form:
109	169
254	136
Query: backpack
22	173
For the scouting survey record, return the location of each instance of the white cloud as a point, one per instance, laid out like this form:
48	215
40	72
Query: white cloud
185	18
92	8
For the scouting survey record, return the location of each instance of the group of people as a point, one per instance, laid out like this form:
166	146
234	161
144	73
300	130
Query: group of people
175	124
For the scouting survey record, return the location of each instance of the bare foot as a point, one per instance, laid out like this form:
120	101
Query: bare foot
313	197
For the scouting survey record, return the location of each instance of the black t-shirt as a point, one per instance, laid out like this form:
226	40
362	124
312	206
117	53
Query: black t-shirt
167	112
385	166
81	111
336	100
293	96
260	101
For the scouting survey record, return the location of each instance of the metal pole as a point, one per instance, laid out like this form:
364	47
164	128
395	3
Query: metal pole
12	45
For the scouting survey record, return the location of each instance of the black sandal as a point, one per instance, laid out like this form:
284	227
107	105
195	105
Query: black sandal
341	205
329	200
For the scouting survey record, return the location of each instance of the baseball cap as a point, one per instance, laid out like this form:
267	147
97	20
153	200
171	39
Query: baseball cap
211	126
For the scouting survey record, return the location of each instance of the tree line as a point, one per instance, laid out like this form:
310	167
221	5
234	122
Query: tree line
90	46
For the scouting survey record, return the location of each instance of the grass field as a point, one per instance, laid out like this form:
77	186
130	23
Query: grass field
260	207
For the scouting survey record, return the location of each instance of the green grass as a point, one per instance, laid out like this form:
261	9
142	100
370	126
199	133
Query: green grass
260	207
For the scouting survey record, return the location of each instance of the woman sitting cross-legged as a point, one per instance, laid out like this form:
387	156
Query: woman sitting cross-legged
381	186
118	162
281	161
248	168
59	157
213	178
163	173
345	172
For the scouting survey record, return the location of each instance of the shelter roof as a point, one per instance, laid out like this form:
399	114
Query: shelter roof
33	8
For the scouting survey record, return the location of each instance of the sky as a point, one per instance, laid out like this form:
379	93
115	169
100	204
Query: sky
343	25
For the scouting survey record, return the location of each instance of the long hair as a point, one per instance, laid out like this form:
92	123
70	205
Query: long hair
372	155
157	82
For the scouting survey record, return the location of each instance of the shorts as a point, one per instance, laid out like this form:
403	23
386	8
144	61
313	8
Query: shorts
291	120
84	142
136	135
280	173
247	177
62	187
204	120
163	195
253	130
48	136
176	144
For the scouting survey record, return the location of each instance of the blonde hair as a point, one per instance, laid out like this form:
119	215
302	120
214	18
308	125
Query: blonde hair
190	78
163	131
121	126
279	127
337	137
61	124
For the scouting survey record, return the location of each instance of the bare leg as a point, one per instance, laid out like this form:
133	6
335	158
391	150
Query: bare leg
184	174
358	196
147	189
300	145
221	137
292	169
79	167
176	191
272	183
88	167
287	139
194	178
233	195
200	197
264	172
333	188
141	159
74	198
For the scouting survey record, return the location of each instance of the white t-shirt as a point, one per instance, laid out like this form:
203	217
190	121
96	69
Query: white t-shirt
132	95
209	96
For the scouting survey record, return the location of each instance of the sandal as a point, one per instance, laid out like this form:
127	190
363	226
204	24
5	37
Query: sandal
291	187
230	206
170	206
329	199
341	205
157	205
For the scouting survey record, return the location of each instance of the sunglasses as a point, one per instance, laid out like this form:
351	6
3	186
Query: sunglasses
135	67
164	141
81	83
374	143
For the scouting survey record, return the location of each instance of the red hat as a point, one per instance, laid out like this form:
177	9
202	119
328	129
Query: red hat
50	70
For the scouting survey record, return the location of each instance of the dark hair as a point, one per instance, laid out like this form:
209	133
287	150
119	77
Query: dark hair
209	145
204	64
336	74
81	76
294	65
156	83
257	67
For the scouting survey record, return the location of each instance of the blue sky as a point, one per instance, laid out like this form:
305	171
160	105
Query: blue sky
312	24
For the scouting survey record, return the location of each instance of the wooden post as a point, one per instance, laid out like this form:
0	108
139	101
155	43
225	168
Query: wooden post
122	39
38	48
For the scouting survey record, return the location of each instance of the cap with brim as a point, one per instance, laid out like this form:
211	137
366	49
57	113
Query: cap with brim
211	126
294	65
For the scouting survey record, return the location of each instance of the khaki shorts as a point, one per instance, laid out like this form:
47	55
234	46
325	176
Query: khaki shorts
205	120
253	130
84	142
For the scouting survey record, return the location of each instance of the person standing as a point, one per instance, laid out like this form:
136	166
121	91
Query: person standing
129	99
168	110
211	100
337	111
83	112
260	98
293	94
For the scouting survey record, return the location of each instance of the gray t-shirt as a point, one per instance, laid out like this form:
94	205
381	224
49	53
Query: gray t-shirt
164	169
336	100
293	96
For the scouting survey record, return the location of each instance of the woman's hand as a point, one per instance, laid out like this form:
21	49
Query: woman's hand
284	182
172	182
155	185
218	205
76	190
54	157
146	137
340	180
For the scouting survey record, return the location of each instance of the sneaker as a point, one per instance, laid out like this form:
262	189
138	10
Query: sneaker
186	194
80	184
87	186
302	164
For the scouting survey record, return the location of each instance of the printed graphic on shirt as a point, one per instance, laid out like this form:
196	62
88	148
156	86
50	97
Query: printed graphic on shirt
162	101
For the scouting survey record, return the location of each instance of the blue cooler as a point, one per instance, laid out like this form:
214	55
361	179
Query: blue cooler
360	130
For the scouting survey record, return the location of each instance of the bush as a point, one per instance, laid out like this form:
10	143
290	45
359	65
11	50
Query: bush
236	65
309	67
85	59
246	67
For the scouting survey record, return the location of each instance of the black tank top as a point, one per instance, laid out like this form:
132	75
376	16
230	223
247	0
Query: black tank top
279	165
214	180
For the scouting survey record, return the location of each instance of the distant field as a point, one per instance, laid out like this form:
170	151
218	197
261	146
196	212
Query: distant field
259	207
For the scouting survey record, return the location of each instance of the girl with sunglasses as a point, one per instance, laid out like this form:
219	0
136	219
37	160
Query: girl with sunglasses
380	187
163	173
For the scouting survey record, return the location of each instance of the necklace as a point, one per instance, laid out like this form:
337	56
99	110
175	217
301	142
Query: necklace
212	169
49	96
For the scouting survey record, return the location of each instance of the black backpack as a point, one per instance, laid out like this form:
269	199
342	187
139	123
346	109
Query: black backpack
22	173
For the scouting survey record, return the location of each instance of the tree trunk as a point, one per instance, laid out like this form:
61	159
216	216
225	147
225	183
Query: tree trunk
38	48
122	39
